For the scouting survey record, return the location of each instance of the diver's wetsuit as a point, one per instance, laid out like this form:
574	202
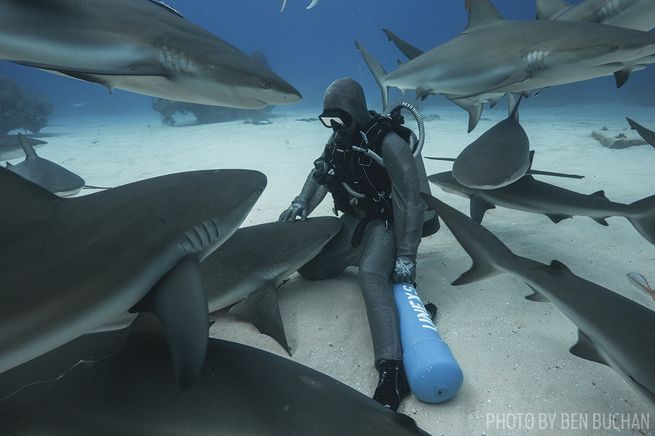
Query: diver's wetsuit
381	243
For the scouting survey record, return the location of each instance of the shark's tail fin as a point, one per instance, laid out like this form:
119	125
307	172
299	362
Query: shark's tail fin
642	217
490	256
378	73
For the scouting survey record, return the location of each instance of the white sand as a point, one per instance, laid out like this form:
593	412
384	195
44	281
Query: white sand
514	353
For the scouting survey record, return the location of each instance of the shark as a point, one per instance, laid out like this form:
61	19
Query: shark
633	14
70	265
45	173
141	46
530	195
612	330
95	384
247	269
11	146
499	157
309	6
648	135
494	57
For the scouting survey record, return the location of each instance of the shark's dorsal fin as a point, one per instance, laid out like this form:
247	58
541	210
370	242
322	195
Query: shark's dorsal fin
478	208
179	301
599	194
166	7
601	221
262	310
547	9
481	12
556	264
586	349
27	148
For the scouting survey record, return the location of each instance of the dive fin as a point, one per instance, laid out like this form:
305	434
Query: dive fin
536	296
180	302
481	12
406	48
622	76
478	208
27	148
556	218
586	349
262	310
549	9
378	73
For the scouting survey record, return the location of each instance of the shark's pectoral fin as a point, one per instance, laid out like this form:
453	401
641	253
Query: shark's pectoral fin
536	295
262	310
478	208
422	94
622	76
559	266
586	349
474	109
479	271
601	221
556	218
179	300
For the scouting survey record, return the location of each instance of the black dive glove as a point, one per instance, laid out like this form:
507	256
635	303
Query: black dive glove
405	270
297	209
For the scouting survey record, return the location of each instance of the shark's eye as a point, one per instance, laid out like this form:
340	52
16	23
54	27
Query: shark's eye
266	84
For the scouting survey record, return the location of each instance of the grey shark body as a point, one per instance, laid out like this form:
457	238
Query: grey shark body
613	330
46	174
136	45
499	157
70	265
648	135
11	147
121	383
633	14
255	261
531	195
494	57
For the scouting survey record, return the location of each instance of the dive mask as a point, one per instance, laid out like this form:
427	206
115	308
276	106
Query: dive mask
335	119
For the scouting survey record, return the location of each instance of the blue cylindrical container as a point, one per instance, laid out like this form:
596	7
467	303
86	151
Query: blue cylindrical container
432	371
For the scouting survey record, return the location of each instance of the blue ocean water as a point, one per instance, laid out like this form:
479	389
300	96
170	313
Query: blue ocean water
310	48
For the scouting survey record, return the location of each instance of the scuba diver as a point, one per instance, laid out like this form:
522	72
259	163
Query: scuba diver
376	181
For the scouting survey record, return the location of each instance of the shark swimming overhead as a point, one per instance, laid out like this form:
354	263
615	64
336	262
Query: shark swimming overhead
534	196
612	330
137	45
255	261
46	174
11	146
648	135
309	6
70	265
493	57
633	14
120	383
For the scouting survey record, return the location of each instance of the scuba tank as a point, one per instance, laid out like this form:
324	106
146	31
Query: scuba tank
433	373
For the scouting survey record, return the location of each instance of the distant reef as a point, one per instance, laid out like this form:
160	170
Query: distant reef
21	109
211	114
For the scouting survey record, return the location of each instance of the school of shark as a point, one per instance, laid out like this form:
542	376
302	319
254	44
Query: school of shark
107	298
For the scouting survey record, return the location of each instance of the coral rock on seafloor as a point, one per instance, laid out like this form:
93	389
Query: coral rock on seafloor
617	138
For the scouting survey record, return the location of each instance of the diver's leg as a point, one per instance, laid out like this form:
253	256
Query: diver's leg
375	268
336	256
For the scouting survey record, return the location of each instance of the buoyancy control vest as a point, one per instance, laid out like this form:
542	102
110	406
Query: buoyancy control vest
359	184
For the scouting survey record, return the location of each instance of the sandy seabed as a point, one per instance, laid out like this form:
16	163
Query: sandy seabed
519	375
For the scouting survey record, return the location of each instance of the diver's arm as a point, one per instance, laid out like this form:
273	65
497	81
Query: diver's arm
311	195
408	206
